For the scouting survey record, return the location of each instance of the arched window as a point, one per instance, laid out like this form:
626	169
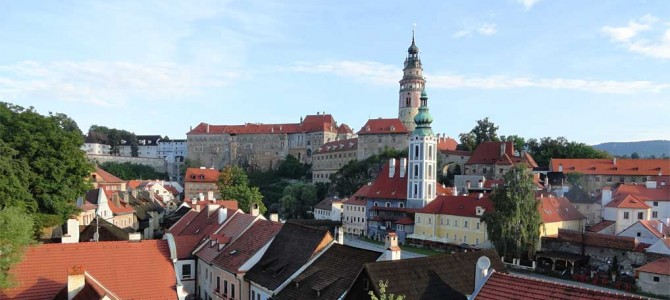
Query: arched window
416	151
408	101
402	205
416	190
430	171
416	170
430	152
375	204
430	190
388	204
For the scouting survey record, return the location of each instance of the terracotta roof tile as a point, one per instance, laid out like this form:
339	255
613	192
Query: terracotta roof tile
383	126
201	175
446	144
640	191
652	226
491	153
344	129
600	226
230	204
659	266
627	201
43	271
337	146
185	245
641	167
231	229
311	123
465	206
508	286
557	209
385	187
105	177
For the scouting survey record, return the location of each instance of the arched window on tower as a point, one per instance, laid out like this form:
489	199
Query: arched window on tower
416	171
416	190
408	101
430	171
430	190
416	152
430	152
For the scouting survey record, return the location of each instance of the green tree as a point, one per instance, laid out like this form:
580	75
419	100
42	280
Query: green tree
547	148
635	155
15	236
234	184
355	173
129	171
484	131
514	224
382	293
43	157
297	199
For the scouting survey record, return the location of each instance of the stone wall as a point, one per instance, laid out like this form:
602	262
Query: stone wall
600	257
158	164
372	144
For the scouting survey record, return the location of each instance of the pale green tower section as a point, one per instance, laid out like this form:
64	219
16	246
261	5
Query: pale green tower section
422	160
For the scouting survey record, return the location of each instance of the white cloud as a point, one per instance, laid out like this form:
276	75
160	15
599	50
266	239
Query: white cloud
104	83
630	37
527	4
483	29
377	73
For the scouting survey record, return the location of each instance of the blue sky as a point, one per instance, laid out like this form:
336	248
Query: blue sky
592	71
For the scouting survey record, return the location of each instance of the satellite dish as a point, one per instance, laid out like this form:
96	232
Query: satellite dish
483	263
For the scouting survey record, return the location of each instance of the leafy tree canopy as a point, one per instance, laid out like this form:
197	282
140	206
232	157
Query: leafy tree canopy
15	235
114	138
547	148
297	199
383	285
234	184
129	171
484	131
348	179
514	224
43	169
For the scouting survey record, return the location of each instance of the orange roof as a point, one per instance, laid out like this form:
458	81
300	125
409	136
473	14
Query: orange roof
312	123
362	191
600	226
661	193
124	267
652	226
230	204
201	175
557	209
105	177
493	153
446	144
465	206
344	128
640	167
627	201
383	126
336	146
659	266
133	184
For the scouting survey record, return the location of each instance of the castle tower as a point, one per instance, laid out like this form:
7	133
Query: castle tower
411	85
422	160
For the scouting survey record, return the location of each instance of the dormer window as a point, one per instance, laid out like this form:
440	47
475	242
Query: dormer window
202	177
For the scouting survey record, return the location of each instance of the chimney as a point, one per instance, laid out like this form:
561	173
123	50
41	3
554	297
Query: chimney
340	235
481	271
606	196
480	184
76	279
207	128
134	237
392	251
560	167
659	227
480	195
403	166
391	167
650	184
614	161
201	196
223	215
72	235
255	210
210	196
274	217
503	145
467	185
194	201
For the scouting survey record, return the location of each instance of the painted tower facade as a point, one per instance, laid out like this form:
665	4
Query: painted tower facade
411	85
422	160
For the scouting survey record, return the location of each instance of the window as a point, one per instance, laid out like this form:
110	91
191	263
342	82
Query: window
640	215
401	205
388	204
232	291
655	203
185	271
456	223
416	170
654	214
218	283
416	152
609	179
625	215
375	204
400	227
639	234
465	224
447	221
225	287
657	279
430	221
597	178
477	228
253	295
622	179
465	239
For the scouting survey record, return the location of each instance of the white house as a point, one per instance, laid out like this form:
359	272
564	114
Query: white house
654	277
647	231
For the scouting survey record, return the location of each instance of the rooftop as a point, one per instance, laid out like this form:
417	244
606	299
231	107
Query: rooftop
383	126
587	166
659	266
201	175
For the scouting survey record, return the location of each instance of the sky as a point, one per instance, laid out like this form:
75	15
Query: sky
590	71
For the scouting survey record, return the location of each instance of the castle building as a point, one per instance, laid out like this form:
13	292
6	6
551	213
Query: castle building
411	85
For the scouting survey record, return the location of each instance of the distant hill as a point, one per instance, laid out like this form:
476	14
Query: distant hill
657	148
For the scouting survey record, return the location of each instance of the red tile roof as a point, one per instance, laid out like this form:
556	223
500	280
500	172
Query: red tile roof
490	153
344	129
201	175
627	201
383	126
661	193
600	226
362	191
185	245
640	167
447	144
105	177
126	268
230	204
507	286
133	184
465	206
337	146
405	221
171	189
557	209
353	201
180	225
311	123
232	228
242	249
385	187
659	266
652	226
